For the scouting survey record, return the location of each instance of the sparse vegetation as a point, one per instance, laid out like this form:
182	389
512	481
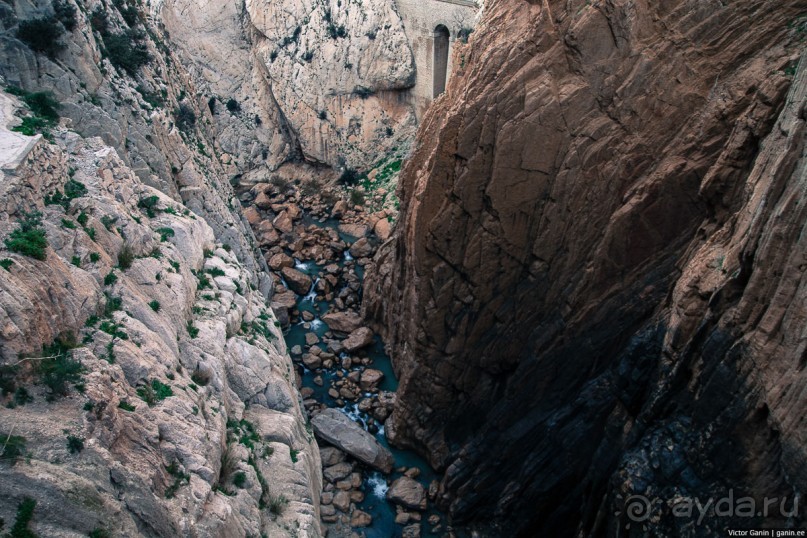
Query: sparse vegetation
6	263
12	447
157	391
155	305
185	118
278	504
240	480
75	444
357	197
193	331
125	256
126	406
127	50
25	513
57	369
42	34
180	478
149	205
232	106
363	92
29	237
43	106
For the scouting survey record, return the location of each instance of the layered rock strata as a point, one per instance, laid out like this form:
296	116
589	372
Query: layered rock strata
596	285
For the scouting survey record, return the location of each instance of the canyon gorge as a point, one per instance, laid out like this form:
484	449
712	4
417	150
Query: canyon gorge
385	268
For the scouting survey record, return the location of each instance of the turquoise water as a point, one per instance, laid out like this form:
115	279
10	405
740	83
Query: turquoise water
375	484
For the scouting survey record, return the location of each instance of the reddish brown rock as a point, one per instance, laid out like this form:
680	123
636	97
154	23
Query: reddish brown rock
596	275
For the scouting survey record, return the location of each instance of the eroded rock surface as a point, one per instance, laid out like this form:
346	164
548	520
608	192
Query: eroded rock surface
596	286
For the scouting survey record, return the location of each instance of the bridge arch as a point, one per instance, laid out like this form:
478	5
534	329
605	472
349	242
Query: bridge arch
441	37
431	27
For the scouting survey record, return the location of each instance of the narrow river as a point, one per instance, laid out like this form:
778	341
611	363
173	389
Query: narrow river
374	485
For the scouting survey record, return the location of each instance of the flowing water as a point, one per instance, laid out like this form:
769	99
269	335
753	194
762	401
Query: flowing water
375	484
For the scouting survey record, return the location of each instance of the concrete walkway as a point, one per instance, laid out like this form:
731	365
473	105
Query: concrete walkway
14	147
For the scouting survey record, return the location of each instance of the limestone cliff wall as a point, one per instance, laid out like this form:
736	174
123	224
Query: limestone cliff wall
596	285
187	402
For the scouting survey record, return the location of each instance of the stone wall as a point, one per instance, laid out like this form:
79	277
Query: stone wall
420	19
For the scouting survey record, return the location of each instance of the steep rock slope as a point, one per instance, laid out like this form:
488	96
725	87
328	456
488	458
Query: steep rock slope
337	72
596	287
186	408
186	382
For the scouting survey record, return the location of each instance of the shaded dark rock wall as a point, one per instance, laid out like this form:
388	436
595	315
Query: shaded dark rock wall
596	285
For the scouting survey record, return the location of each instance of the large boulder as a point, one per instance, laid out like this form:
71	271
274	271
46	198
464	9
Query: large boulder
361	248
361	337
280	261
298	281
407	492
344	322
338	429
370	378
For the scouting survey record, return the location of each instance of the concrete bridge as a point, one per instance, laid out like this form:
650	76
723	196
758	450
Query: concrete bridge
432	27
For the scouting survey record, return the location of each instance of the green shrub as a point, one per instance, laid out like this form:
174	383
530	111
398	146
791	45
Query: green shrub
155	392
215	271
125	256
66	13
155	305
94	257
363	92
13	448
6	263
149	204
29	238
240	479
278	504
193	332
72	190
127	51
41	35
82	218
233	106
108	221
293	454
129	12
69	224
25	513
350	176
165	233
76	260
75	444
110	278
22	397
126	406
185	118
308	56
179	479
99	21
58	368
99	533
357	197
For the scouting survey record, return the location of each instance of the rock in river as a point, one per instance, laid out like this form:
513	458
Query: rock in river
358	339
408	493
298	281
339	430
344	322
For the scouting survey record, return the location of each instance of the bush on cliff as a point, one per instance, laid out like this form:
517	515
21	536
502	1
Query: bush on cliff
29	238
41	35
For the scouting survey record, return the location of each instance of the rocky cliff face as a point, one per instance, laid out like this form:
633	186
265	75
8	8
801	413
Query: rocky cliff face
337	71
319	81
146	388
596	286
